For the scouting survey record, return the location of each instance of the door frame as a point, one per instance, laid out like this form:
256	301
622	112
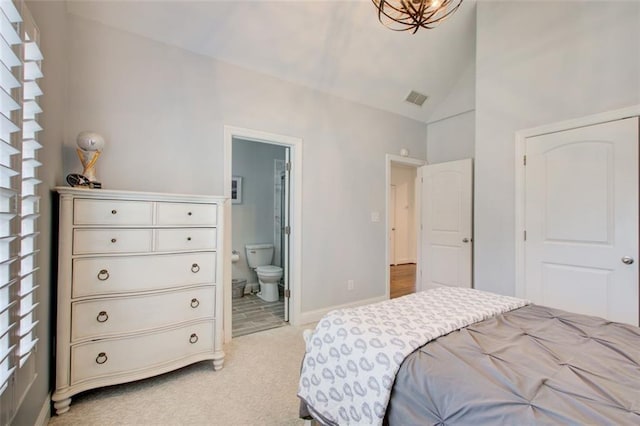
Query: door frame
392	222
295	217
405	161
520	140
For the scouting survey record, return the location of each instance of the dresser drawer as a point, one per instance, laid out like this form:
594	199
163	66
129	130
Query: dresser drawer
108	275
90	241
112	212
104	358
186	214
186	239
110	316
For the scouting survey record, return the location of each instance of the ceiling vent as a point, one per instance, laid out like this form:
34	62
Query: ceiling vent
416	98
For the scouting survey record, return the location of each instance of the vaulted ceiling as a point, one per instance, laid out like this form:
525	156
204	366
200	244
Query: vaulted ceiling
338	47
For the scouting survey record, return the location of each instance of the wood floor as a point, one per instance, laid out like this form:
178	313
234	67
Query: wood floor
403	280
252	314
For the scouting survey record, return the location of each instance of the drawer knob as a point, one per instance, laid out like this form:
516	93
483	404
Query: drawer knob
113	240
102	316
188	238
189	213
103	275
195	303
195	268
193	339
114	211
101	358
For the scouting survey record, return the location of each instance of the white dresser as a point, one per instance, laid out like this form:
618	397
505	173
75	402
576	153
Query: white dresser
139	287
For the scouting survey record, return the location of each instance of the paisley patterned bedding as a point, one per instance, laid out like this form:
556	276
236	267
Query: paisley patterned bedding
353	355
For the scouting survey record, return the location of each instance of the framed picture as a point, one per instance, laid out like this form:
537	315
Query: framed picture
236	190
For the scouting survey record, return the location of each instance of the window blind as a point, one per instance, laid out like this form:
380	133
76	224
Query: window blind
10	122
29	208
20	60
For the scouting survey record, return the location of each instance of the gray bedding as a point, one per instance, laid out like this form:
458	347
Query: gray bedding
533	365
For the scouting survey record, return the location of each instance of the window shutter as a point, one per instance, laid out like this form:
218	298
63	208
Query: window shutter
10	123
20	60
29	207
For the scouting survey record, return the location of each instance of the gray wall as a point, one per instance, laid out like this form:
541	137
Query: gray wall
253	220
451	128
538	63
452	138
162	112
51	20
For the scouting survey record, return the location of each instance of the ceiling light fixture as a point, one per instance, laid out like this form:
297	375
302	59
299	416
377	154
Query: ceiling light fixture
410	15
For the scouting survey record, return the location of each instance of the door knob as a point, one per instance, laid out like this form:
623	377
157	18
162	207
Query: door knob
627	260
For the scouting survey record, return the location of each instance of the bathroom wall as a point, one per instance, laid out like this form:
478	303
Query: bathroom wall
253	220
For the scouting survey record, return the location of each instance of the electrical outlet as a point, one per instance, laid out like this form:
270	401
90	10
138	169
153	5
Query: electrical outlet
350	285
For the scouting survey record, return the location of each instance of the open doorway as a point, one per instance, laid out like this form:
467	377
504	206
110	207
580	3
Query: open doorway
262	230
259	220
402	231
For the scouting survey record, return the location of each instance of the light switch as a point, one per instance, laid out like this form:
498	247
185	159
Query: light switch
375	216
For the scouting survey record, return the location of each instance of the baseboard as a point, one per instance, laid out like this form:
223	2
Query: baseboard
315	316
45	412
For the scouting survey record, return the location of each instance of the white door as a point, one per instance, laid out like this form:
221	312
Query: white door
581	220
447	243
392	225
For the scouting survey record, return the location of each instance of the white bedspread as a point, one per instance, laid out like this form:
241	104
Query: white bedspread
353	355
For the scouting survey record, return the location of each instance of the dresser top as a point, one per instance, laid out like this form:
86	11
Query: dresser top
114	194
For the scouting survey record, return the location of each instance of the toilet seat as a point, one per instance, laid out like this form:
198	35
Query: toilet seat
269	270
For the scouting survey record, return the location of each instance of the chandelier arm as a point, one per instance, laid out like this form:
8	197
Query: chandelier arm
382	5
418	17
443	17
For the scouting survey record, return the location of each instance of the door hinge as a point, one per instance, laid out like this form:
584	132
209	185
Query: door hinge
287	230
287	293
524	160
288	166
525	235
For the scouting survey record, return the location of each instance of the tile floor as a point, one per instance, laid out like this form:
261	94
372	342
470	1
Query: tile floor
252	314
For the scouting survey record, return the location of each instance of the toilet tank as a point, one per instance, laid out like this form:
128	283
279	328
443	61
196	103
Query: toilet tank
259	254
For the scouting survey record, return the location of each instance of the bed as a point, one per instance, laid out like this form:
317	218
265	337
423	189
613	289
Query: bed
509	363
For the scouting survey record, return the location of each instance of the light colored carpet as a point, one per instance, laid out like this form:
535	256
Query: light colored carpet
257	386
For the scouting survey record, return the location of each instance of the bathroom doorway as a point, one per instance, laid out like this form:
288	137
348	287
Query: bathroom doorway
259	214
262	230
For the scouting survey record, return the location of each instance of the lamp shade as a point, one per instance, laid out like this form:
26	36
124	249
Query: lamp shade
90	141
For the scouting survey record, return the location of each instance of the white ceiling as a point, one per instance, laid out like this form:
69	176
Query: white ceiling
337	47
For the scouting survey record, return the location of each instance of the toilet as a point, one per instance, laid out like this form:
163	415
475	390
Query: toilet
259	257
